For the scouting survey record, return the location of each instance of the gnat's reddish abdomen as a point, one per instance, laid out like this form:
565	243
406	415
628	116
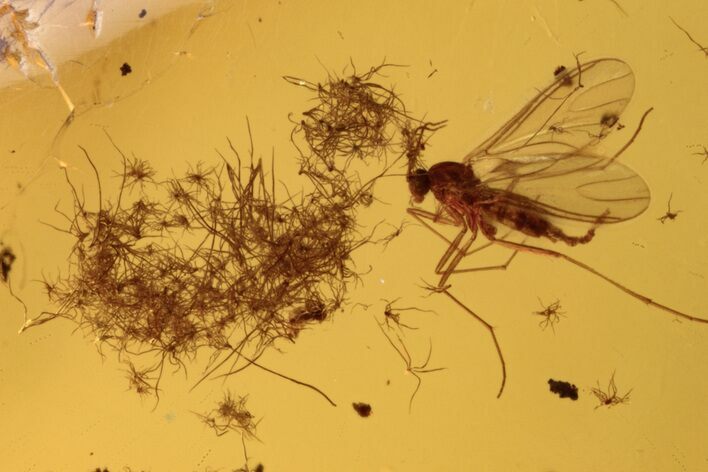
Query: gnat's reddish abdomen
527	222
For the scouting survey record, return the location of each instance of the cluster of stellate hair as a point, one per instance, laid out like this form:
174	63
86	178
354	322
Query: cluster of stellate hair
231	414
209	260
357	118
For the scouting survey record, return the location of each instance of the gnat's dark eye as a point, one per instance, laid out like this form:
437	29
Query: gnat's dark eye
418	184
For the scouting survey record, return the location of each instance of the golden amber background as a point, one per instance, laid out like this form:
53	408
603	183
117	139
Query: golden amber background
199	71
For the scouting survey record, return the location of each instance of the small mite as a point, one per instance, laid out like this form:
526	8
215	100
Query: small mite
609	120
669	215
142	13
561	73
563	389
364	409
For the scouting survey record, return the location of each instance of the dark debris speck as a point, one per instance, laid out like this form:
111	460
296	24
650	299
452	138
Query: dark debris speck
7	258
142	13
563	389
125	69
364	409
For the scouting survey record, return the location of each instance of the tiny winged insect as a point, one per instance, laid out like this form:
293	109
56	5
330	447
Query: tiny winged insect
539	176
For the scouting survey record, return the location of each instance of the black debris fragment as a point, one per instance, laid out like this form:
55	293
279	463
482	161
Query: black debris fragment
7	258
125	69
364	409
563	389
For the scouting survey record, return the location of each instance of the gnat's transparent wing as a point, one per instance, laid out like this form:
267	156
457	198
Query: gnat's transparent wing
567	188
571	115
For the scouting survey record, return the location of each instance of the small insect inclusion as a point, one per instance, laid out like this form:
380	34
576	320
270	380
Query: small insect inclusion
539	176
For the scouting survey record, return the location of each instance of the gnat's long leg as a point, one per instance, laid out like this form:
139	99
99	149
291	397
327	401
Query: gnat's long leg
459	254
632	293
454	245
503	266
422	215
490	328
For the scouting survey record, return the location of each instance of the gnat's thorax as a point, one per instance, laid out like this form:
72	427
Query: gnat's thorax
445	179
452	181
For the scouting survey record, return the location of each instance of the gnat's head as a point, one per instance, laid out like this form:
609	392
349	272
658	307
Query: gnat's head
418	184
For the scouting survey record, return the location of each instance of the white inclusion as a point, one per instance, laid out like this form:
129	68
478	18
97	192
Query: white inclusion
26	325
488	105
